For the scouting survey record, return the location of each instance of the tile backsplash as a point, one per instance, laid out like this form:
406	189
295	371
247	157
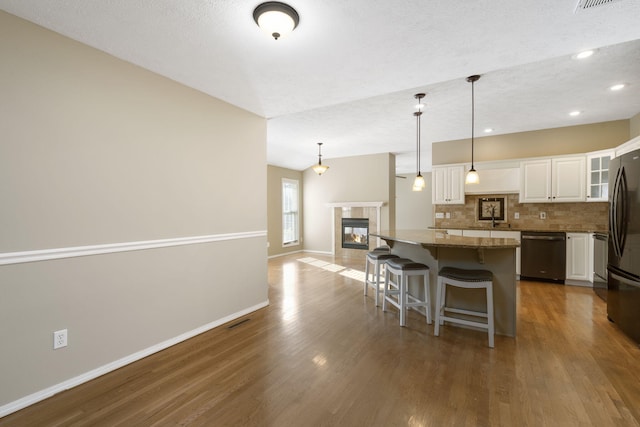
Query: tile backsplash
558	216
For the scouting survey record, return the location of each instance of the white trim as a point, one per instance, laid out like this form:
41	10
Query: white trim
285	254
297	211
318	252
95	373
77	251
355	204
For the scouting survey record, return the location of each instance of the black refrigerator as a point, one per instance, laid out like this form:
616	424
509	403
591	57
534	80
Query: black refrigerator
623	269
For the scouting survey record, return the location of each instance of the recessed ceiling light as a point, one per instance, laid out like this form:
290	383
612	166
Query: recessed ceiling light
488	130
574	113
584	54
617	87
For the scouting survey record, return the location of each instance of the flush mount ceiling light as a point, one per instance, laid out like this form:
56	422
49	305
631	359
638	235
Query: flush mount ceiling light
617	87
488	130
472	175
418	184
320	168
275	18
574	113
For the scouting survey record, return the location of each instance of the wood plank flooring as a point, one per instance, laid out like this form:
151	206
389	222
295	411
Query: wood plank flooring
322	354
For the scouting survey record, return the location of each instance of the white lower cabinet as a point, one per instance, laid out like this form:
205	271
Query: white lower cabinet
503	234
476	233
579	258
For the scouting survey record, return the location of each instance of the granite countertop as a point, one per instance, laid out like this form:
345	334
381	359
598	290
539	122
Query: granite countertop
438	238
507	227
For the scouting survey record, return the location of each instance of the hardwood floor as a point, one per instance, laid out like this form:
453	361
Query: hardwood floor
323	354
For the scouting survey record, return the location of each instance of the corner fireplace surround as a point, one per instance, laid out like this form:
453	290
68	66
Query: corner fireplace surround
354	210
355	233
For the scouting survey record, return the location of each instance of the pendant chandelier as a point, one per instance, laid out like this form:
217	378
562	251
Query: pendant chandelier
472	175
418	184
320	168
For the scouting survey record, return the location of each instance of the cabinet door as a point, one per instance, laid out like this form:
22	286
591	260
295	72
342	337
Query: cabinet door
535	181
438	186
456	184
578	256
447	185
569	180
598	177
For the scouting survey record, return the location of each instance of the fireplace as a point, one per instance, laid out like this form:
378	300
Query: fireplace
355	233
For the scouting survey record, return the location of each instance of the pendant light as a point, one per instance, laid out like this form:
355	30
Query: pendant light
472	175
320	168
418	184
275	18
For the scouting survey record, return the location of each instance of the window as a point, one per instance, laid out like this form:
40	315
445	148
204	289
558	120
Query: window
290	216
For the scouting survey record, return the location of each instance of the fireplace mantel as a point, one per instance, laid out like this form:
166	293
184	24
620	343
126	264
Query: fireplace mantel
356	204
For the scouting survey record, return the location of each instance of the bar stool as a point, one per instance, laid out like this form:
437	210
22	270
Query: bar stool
376	258
397	292
469	279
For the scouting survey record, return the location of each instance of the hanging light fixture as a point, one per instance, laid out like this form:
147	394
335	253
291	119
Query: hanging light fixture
275	18
472	175
418	183
320	168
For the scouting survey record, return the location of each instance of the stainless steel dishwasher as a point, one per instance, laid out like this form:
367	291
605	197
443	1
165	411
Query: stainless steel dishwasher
543	256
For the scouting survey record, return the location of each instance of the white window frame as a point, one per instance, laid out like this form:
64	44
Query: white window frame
286	213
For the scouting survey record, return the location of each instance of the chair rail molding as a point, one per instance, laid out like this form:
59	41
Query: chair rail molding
8	258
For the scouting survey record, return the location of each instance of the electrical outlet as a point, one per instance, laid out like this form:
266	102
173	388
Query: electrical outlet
59	339
516	215
439	215
447	215
543	215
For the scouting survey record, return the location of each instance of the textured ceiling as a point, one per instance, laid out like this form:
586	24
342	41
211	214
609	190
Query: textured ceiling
346	76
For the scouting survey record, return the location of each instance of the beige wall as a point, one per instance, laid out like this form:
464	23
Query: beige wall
275	176
97	151
634	126
413	208
546	142
368	178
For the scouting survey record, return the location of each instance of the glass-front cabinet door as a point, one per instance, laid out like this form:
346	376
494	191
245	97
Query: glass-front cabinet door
598	176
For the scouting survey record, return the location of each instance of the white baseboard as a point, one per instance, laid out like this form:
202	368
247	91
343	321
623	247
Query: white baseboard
285	254
582	283
95	373
318	252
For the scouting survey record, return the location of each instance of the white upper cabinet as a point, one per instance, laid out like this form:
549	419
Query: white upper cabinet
448	185
568	183
560	179
496	181
598	176
631	145
535	181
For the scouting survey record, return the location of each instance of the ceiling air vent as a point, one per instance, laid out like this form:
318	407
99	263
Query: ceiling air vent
590	4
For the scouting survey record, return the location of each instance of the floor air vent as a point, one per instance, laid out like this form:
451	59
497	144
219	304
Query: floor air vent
590	4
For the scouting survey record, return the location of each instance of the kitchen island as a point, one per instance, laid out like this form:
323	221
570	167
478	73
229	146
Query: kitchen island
438	249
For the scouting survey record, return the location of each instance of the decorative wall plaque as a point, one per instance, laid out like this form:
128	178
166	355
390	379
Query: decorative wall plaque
491	209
